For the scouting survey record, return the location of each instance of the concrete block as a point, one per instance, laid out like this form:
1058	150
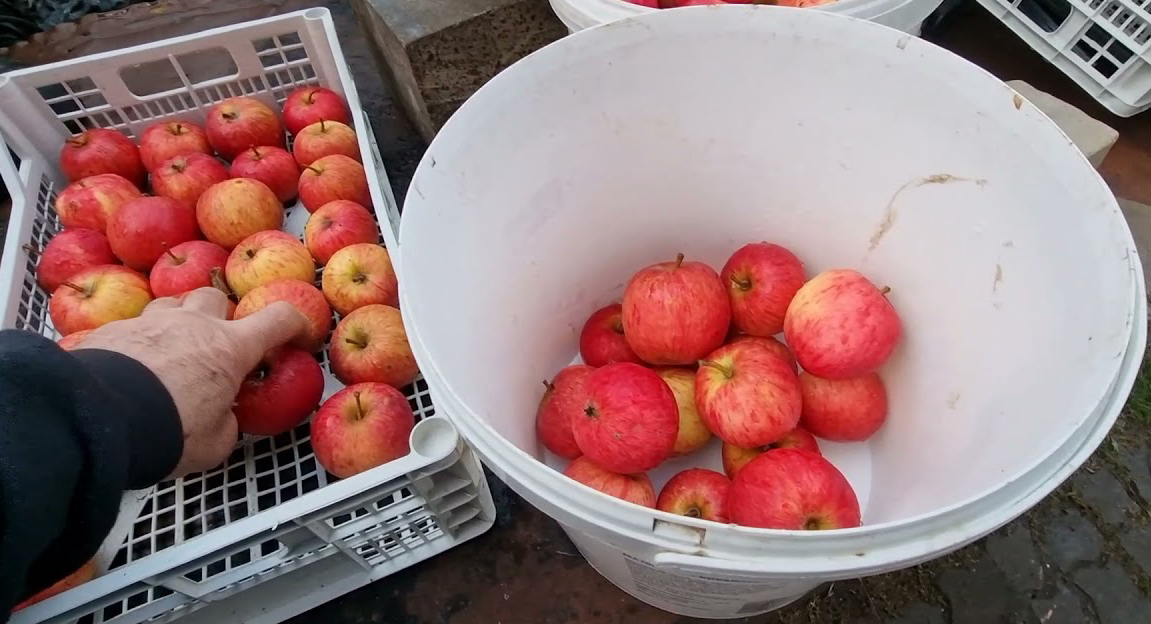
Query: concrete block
438	52
1093	137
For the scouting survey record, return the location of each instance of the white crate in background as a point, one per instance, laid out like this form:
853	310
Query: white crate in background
1103	45
269	533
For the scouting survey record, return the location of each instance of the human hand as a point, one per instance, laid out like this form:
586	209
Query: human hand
201	359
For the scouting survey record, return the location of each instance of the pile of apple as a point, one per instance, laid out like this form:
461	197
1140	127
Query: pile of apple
671	4
214	218
691	354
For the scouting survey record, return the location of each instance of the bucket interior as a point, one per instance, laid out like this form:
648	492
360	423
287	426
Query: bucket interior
853	145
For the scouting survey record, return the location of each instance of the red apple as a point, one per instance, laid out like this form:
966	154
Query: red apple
696	493
185	177
70	252
337	225
843	410
86	573
674	313
792	489
280	394
186	267
630	421
736	457
164	141
747	395
73	340
273	166
693	434
602	341
761	279
563	400
266	257
238	123
96	296
634	488
331	178
306	298
360	275
98	151
771	344
89	202
325	138
370	345
360	427
840	325
232	210
307	105
142	229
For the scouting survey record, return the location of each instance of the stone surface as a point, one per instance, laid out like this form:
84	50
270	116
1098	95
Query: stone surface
1070	539
1103	492
978	595
1136	460
438	52
1013	550
920	613
1137	543
1093	137
1063	608
1117	600
1139	218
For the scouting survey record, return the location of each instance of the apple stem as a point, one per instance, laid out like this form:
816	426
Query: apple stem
549	385
355	342
812	524
742	284
256	153
31	249
617	327
174	257
229	116
313	169
726	370
310	98
322	128
74	287
77	141
179	128
359	407
885	290
693	512
217	278
678	260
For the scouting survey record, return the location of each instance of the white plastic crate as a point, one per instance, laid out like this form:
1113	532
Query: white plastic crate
1103	45
269	534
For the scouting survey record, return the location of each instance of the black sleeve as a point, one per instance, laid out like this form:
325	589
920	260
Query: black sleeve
76	430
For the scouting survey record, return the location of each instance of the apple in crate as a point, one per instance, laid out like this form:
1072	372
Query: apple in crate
747	395
360	275
96	296
73	340
630	421
232	210
266	257
305	297
216	277
89	202
325	138
273	166
185	177
736	457
143	229
696	493
792	489
761	279
281	393
70	252
565	398
839	325
186	267
675	313
86	573
693	434
360	427
772	345
239	123
633	488
99	151
602	340
308	105
843	410
331	178
370	345
336	225
164	141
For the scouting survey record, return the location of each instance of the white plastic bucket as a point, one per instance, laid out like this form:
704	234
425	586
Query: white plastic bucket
906	15
1012	267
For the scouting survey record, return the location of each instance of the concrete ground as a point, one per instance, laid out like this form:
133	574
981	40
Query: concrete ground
1081	556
